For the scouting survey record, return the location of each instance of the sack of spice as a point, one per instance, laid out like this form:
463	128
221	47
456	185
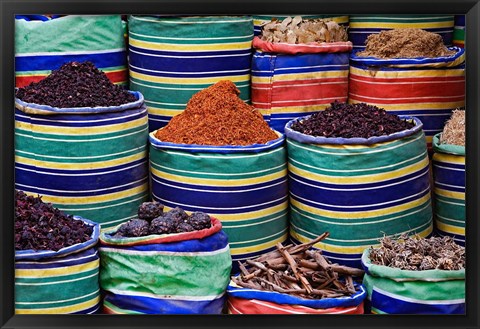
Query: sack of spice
220	156
459	31
295	280
357	172
56	260
448	165
410	72
260	20
299	67
413	275
44	43
81	142
160	266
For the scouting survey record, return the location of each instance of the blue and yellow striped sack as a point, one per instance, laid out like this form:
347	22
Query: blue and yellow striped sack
59	282
91	162
180	273
172	58
396	291
245	187
448	164
358	190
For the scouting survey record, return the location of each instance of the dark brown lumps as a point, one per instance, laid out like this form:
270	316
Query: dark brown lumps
351	121
40	226
75	84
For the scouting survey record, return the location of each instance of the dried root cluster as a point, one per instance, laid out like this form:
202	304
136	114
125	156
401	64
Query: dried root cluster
454	130
297	31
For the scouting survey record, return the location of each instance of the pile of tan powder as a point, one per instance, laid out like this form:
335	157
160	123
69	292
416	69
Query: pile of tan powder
405	43
217	116
454	130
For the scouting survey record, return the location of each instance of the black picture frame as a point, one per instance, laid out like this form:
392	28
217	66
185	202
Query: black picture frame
210	7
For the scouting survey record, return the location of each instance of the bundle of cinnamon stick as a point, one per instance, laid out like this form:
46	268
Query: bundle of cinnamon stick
299	270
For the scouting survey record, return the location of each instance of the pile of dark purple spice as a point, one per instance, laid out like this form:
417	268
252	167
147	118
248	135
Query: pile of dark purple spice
153	220
75	84
351	121
40	226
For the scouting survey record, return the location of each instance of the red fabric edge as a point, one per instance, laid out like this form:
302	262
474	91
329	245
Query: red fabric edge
305	48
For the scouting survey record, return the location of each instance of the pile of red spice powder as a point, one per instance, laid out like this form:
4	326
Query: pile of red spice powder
217	116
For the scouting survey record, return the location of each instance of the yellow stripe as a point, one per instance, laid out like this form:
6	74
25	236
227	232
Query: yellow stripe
185	81
67	201
361	214
365	179
397	25
57	271
300	111
78	166
450	228
301	76
61	310
190	47
418	106
449	158
219	182
408	73
81	131
258	247
449	194
165	112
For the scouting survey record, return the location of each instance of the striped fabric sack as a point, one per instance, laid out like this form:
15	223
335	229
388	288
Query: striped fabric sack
87	161
259	20
43	45
59	282
251	301
181	273
459	31
427	88
448	166
172	58
358	190
361	26
243	186
293	80
396	291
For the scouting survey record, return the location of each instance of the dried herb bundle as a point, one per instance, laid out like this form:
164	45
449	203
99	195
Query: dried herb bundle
298	271
454	130
417	254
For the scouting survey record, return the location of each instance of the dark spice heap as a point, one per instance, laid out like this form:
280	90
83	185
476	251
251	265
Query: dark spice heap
75	84
417	254
299	271
405	43
217	116
40	226
351	120
152	220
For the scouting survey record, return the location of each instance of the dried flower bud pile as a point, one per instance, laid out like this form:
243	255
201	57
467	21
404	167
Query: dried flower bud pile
454	130
217	116
40	226
418	254
300	271
297	31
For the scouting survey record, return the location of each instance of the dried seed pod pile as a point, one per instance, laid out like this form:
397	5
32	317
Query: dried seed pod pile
40	226
417	254
454	130
351	120
297	31
300	271
153	220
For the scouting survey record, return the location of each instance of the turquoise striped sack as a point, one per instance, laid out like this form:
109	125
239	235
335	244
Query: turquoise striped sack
396	291
358	189
59	282
245	187
44	44
91	162
172	58
180	273
448	165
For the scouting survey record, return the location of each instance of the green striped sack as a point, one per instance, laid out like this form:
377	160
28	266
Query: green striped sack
172	58
245	187
180	273
395	291
459	31
59	282
44	45
91	162
448	166
361	26
259	20
358	189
